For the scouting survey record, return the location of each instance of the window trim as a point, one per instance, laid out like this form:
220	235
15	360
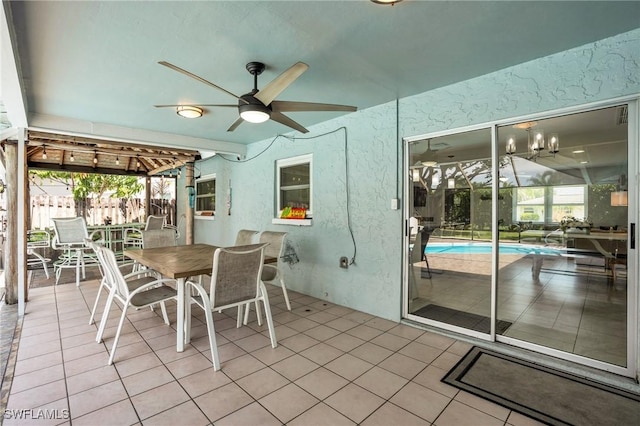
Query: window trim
289	162
205	213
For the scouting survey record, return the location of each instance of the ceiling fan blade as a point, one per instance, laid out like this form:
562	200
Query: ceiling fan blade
283	119
197	105
281	82
291	106
235	124
200	79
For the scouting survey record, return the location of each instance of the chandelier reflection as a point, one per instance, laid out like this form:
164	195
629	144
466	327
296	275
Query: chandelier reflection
535	142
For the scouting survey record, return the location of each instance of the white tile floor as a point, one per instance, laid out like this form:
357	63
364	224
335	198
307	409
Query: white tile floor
332	366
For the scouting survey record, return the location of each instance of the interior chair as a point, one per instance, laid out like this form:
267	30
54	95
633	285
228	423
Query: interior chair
38	239
137	295
133	237
235	282
245	237
613	260
70	237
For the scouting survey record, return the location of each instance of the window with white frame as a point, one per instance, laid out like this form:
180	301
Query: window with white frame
294	184
206	196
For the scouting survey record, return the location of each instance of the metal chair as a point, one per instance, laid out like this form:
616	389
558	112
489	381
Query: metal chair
271	273
70	237
130	291
38	240
235	282
245	237
133	237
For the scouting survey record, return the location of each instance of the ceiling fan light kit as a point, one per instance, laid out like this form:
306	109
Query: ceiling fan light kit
187	111
259	105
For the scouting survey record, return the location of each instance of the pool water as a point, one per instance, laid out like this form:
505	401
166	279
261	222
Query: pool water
482	248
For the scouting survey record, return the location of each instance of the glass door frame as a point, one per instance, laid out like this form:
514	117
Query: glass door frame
633	304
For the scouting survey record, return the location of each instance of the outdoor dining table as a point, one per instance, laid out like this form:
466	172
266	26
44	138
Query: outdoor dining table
179	263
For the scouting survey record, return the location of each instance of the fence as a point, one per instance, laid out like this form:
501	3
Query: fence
96	211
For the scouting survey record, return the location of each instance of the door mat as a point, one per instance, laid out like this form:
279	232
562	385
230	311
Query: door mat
461	319
545	394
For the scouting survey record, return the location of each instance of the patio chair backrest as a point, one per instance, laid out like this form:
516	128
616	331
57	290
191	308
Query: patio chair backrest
70	230
236	274
275	241
245	237
158	238
155	222
112	272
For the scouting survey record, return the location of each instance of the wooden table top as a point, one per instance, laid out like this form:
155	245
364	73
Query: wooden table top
179	261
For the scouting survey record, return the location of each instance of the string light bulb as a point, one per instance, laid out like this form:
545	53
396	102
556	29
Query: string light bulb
95	157
44	152
72	158
117	160
137	161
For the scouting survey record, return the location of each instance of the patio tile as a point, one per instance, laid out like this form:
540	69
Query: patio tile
38	363
371	353
288	402
253	342
457	413
146	380
431	378
222	401
43	348
321	383
322	332
342	324
252	414
120	413
95	398
403	365
90	379
321	414
158	399
204	381
390	414
37	396
241	366
421	401
129	366
299	342
424	353
294	367
322	353
390	341
269	355
262	382
381	382
37	378
348	366
344	342
189	365
354	402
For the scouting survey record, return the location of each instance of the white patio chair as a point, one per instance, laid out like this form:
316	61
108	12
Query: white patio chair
70	237
245	237
132	236
271	272
38	239
235	281
129	293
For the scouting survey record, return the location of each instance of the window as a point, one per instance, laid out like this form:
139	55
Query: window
550	204
294	186
206	196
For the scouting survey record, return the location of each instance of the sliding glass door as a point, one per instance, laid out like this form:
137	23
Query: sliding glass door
519	233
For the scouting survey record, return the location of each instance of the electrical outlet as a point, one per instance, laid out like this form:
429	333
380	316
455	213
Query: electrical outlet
344	262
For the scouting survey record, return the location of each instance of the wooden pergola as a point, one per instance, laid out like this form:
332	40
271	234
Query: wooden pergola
25	150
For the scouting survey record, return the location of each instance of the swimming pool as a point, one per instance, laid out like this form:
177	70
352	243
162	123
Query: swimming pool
485	248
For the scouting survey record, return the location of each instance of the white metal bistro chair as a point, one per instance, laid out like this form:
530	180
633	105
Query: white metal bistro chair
135	296
245	237
38	239
272	272
235	281
133	236
70	237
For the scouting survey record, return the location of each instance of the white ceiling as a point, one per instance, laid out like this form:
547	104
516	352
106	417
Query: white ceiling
97	61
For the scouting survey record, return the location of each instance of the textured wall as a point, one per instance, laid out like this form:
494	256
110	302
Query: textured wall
599	71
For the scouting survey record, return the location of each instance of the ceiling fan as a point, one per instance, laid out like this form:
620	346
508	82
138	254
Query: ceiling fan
260	105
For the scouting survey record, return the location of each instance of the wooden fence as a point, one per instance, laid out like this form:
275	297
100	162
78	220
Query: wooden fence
96	211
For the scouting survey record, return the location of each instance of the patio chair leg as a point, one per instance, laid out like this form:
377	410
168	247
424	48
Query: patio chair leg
105	316
115	341
95	304
267	314
286	295
164	313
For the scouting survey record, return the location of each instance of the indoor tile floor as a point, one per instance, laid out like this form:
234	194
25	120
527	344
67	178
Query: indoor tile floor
332	366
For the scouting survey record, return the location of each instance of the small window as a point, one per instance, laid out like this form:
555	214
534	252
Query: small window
206	196
294	185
